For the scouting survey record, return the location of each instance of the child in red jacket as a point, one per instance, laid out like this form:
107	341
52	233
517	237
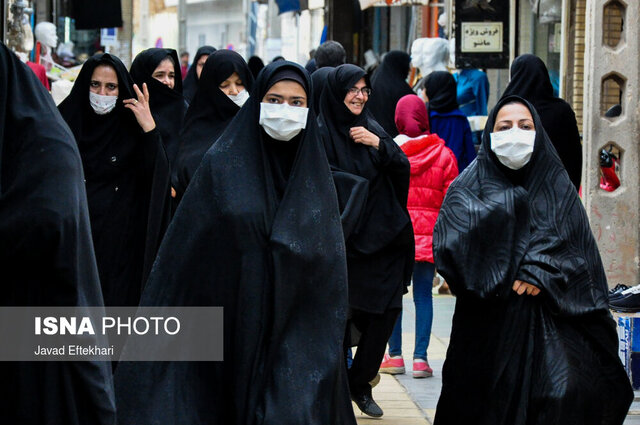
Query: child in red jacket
433	168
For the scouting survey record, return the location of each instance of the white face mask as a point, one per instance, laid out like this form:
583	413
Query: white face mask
102	105
240	98
281	121
513	147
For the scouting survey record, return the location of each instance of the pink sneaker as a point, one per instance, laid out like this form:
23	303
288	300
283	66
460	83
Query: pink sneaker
392	365
421	369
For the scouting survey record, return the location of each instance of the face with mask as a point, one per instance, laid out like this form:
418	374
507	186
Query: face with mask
283	111
234	88
103	89
514	135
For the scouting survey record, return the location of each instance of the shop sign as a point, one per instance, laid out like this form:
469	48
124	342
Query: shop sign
481	37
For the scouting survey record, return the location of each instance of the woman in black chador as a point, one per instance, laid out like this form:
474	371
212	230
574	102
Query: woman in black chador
389	85
46	255
224	87
380	249
259	233
126	173
532	341
160	70
530	80
190	83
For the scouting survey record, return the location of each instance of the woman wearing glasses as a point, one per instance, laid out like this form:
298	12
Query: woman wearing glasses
380	249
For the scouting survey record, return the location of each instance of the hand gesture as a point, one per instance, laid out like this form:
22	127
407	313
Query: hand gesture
521	287
140	108
364	136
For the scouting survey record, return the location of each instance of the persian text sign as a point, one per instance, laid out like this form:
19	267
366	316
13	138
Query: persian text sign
481	37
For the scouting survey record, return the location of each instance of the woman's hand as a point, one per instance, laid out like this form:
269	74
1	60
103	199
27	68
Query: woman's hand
364	136
140	108
521	287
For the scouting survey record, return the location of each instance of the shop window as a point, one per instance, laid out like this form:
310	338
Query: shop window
613	23
610	163
611	96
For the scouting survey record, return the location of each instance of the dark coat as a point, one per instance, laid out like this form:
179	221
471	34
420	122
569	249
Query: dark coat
518	359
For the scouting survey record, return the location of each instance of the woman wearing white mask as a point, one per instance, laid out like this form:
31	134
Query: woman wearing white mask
223	88
259	234
126	173
380	251
532	340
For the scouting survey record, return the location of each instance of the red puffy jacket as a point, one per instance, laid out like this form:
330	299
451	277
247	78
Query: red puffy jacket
433	168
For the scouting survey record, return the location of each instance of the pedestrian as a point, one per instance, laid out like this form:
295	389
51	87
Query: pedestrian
530	80
126	174
190	81
262	210
330	53
533	341
446	119
389	84
433	168
319	80
46	254
380	250
255	65
184	64
159	69
222	90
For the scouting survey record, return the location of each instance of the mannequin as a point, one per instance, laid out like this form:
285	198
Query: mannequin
47	40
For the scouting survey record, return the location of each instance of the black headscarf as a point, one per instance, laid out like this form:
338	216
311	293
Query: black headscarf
46	254
209	113
557	355
190	83
319	80
388	86
441	91
530	80
168	106
255	65
385	225
278	269
127	181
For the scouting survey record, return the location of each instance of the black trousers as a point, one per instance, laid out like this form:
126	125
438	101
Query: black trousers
375	331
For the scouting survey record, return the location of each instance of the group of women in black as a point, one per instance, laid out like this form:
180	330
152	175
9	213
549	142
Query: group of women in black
292	216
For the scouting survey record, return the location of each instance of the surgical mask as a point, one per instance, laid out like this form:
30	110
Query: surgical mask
102	105
281	121
240	98
513	147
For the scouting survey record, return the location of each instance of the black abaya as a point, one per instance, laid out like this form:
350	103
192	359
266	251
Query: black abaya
209	114
276	265
530	80
168	106
127	181
380	250
389	85
190	83
46	254
518	359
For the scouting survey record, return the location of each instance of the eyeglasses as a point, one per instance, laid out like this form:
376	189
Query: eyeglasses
366	91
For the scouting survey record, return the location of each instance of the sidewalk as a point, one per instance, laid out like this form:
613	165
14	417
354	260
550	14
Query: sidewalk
408	401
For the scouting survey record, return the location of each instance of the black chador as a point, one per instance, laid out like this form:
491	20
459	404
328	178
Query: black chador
530	80
127	181
46	254
168	105
389	85
518	359
209	114
190	83
259	234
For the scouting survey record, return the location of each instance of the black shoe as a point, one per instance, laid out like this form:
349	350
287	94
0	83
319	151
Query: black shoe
367	405
629	303
616	292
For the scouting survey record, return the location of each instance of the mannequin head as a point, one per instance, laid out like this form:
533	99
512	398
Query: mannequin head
46	34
